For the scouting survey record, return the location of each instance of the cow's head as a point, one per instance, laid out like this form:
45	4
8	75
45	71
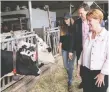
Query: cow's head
28	49
42	46
44	52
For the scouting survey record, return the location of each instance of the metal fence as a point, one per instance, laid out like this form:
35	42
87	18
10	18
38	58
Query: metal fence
9	44
52	37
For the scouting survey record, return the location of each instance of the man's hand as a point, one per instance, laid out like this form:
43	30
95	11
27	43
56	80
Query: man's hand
99	80
78	72
70	55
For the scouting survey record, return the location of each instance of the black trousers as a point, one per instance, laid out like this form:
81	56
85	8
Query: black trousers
89	81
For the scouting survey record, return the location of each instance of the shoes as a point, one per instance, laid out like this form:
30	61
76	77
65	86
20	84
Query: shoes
70	88
80	86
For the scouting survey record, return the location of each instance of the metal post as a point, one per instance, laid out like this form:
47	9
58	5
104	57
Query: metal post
70	8
46	7
21	26
49	17
30	13
99	7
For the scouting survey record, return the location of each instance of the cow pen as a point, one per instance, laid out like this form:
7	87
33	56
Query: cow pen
10	44
54	33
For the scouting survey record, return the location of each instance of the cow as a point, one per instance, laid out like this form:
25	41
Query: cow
25	64
27	50
45	55
26	58
44	51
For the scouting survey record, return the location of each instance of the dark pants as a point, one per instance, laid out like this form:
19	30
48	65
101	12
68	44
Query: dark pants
89	81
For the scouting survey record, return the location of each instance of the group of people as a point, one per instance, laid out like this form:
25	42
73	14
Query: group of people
88	40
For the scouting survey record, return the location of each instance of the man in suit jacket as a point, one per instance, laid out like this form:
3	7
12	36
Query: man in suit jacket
81	29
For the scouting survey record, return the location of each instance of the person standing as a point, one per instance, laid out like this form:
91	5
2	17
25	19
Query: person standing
81	29
66	35
95	55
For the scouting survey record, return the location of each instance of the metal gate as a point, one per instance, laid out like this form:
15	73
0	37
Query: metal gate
52	37
9	44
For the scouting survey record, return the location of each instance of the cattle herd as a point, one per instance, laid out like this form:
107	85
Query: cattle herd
29	56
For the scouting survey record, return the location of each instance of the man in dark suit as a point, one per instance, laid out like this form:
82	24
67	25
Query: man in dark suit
81	30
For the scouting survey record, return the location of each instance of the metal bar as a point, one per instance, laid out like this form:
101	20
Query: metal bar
30	13
99	7
53	31
12	82
21	26
44	32
8	78
70	8
8	47
3	82
11	39
54	28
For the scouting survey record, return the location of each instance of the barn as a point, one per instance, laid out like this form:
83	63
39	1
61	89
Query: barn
29	39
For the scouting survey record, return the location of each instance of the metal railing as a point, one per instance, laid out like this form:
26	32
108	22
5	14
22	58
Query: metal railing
52	37
9	44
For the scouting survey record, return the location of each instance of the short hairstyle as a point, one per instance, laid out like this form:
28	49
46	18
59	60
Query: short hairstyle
85	6
95	14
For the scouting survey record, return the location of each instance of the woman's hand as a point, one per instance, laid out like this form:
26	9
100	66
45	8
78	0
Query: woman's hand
60	48
99	80
60	51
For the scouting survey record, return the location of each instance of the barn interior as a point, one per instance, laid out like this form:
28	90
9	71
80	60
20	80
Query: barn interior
15	15
39	17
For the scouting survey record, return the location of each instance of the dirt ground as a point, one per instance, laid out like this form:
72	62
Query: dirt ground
55	80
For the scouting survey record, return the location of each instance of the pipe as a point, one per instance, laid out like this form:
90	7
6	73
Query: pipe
30	13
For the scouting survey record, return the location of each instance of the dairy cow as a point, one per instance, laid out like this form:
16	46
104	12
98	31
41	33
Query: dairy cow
26	55
26	59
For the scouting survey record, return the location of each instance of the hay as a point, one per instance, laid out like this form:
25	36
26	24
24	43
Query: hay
55	80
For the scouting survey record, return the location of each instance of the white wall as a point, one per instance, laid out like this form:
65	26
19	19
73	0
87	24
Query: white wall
40	18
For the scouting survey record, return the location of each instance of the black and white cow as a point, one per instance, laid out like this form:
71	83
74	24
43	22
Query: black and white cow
44	51
27	53
26	58
26	61
45	55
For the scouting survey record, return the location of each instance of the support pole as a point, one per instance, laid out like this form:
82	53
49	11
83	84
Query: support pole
46	7
70	8
30	13
99	7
